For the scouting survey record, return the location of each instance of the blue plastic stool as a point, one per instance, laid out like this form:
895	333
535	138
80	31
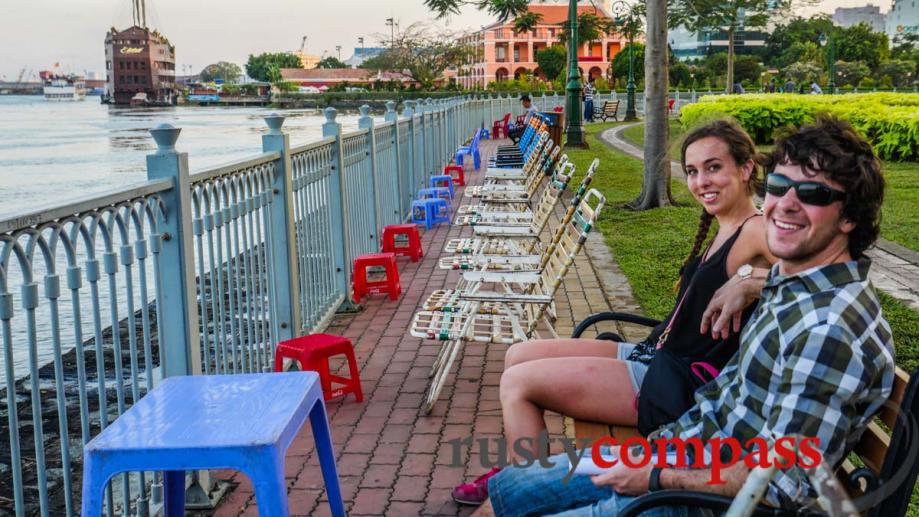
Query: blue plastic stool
243	422
435	193
421	213
439	210
443	181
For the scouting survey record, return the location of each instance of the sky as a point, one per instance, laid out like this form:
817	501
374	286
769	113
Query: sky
39	33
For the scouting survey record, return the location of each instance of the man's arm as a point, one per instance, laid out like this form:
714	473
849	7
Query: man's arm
725	310
634	481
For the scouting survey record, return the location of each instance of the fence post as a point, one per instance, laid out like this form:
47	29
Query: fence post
175	284
408	111
392	116
428	143
176	295
283	275
339	205
366	122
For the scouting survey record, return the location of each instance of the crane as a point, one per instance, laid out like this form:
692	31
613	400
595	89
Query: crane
303	44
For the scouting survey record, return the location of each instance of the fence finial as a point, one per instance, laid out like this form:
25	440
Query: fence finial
274	122
330	114
390	114
409	108
165	136
364	110
390	106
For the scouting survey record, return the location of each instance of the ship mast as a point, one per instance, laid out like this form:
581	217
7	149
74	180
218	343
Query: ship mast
139	11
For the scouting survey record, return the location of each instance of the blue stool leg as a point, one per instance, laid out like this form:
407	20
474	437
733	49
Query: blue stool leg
270	486
94	482
174	493
326	452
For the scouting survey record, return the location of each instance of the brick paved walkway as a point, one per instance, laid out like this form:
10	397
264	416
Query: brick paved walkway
895	269
392	459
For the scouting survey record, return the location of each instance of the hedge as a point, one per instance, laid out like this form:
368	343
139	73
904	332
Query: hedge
890	121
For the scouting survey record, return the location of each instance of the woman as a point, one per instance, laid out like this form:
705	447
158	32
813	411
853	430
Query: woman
583	378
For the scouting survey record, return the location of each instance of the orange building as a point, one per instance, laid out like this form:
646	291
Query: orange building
502	54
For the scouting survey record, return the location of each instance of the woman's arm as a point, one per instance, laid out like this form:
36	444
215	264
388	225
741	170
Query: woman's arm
725	310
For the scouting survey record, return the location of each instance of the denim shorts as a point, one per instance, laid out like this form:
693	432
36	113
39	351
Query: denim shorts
535	490
637	370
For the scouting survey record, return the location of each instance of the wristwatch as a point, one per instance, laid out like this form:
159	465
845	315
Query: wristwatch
654	482
745	271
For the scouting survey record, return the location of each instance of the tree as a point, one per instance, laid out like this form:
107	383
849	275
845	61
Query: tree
590	28
860	43
802	73
331	62
851	73
728	16
267	66
421	52
679	75
900	71
621	64
228	72
784	45
552	60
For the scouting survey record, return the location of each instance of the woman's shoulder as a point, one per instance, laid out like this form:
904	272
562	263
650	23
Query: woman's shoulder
752	239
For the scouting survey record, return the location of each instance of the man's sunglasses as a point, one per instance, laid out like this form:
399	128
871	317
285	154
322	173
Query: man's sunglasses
808	192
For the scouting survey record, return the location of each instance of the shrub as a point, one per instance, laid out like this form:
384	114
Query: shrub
890	121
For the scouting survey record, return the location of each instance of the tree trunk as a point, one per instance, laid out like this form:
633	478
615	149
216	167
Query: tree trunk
730	78
655	190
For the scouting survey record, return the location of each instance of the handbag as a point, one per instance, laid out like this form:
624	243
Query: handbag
669	384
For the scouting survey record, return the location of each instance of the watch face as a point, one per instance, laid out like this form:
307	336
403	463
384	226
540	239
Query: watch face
745	270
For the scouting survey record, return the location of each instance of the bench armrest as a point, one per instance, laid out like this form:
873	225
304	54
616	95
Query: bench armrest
625	317
717	503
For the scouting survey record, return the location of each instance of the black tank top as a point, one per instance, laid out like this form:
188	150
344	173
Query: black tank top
701	279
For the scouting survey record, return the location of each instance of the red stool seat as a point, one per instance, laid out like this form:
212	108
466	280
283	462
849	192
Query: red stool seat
455	171
313	353
389	285
412	249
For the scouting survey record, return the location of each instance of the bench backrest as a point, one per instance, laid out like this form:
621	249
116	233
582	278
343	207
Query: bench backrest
891	460
611	106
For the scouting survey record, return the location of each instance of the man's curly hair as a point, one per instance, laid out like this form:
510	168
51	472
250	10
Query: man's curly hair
833	147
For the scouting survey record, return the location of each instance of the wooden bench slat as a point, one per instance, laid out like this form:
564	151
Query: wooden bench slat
888	415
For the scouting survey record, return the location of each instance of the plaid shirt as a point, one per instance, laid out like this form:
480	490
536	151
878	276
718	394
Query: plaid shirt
815	359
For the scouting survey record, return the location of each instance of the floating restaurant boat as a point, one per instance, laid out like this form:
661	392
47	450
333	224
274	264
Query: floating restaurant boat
63	88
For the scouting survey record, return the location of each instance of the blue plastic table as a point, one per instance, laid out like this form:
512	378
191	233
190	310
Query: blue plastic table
241	422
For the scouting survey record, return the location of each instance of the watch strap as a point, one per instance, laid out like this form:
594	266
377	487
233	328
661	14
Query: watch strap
654	482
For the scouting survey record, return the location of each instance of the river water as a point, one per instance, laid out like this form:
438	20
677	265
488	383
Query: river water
52	152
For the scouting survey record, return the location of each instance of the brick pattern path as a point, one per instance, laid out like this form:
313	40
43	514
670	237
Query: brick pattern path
392	459
895	269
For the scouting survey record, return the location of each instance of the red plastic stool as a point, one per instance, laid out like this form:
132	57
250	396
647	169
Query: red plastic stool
390	285
412	250
459	176
313	353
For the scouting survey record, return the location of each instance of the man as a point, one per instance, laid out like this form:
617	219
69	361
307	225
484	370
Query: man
815	359
815	88
790	86
516	132
589	92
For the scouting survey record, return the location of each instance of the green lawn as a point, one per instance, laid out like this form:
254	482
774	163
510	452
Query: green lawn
900	217
650	246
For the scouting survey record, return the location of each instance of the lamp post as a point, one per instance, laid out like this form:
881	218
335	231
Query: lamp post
826	40
574	132
620	10
391	23
360	41
338	49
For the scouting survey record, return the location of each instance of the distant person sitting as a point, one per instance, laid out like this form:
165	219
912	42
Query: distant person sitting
790	86
815	88
516	132
738	89
589	92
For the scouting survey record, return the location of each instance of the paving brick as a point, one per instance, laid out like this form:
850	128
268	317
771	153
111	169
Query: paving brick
380	476
417	465
410	488
371	501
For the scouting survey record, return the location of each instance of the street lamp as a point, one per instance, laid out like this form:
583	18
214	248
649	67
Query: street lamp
338	49
391	23
360	40
826	40
574	133
620	10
